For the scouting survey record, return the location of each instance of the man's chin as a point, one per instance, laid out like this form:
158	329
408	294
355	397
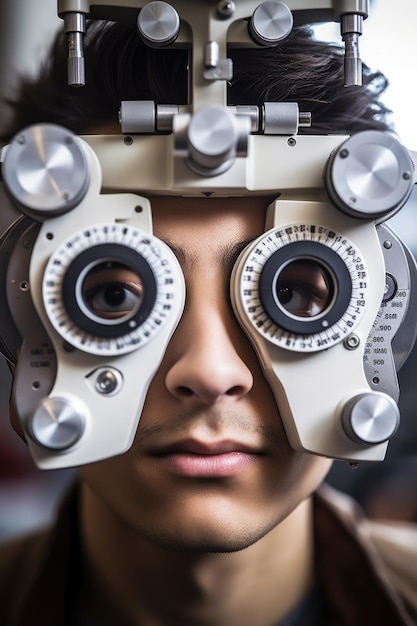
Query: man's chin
217	542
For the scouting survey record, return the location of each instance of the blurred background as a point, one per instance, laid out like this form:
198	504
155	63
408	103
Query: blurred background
28	497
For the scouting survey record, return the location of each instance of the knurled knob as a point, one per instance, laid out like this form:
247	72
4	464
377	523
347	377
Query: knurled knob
76	71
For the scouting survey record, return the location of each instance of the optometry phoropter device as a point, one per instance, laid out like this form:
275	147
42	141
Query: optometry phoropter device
327	294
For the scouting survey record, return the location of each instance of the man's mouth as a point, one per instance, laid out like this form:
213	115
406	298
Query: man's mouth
193	458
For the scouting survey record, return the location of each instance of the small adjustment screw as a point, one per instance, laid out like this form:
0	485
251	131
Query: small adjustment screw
108	381
352	342
226	8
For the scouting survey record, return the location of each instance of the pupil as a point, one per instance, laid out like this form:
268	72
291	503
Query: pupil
284	294
114	295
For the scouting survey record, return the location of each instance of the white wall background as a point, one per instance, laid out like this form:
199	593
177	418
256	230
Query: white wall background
26	29
389	43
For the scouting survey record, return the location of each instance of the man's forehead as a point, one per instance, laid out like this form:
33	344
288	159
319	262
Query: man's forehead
193	218
214	205
198	228
226	255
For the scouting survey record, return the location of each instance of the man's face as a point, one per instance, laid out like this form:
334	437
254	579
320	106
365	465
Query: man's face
210	467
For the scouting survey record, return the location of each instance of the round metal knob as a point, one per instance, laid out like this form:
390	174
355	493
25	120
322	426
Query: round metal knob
370	175
158	24
370	418
271	23
45	170
57	424
215	137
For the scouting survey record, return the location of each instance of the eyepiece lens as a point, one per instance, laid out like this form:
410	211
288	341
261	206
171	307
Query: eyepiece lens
304	288
112	291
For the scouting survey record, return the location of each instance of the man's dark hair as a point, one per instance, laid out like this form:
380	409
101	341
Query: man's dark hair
120	66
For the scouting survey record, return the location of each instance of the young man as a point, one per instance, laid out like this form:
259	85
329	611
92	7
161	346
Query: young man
210	518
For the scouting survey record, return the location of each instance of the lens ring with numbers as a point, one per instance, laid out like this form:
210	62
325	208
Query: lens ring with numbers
110	288
303	287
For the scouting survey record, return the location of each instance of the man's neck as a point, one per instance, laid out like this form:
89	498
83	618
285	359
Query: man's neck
133	581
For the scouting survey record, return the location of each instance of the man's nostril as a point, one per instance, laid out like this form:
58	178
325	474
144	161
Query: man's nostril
185	392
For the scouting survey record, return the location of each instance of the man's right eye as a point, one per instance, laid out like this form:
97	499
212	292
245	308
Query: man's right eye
112	292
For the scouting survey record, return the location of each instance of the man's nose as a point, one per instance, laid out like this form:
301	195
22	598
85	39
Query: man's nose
208	365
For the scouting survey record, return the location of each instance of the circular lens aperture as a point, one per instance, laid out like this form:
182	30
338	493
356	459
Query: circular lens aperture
298	290
304	288
111	292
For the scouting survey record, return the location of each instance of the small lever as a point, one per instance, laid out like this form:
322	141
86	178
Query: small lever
351	29
75	29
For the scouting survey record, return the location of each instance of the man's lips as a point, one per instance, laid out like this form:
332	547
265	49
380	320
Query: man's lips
194	458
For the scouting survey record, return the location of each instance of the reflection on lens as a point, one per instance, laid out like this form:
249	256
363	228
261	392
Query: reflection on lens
112	291
304	288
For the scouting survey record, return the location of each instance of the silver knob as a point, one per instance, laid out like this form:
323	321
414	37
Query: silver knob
370	175
370	418
215	136
271	23
58	423
46	171
158	24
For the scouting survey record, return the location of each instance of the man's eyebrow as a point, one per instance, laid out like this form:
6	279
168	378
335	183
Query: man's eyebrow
231	253
228	253
178	251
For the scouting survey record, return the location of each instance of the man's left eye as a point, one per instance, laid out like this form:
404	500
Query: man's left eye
299	299
304	288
